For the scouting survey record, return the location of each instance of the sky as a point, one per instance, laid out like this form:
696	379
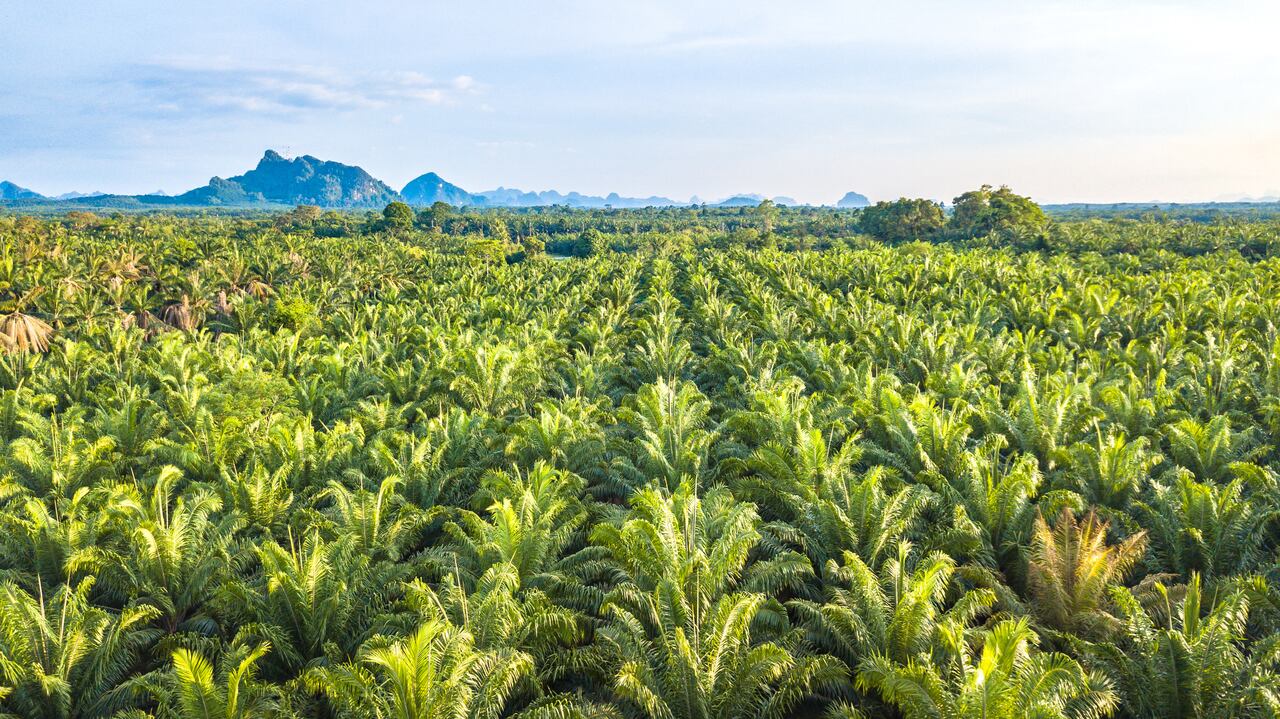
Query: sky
1083	101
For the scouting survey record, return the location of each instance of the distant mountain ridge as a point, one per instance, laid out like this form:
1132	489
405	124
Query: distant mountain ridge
752	199
431	188
307	180
510	197
741	201
275	180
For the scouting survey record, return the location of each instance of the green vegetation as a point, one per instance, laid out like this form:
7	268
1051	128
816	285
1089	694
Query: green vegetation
726	463
903	220
983	211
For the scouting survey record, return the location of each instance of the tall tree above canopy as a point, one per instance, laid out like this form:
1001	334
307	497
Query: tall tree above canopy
984	210
903	220
398	215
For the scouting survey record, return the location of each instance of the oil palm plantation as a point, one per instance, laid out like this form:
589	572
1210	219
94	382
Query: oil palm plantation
302	464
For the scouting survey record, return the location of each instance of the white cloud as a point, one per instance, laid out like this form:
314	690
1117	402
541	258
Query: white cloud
192	84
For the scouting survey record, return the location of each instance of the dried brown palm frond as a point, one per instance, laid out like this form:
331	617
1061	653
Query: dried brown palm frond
298	263
145	321
180	315
25	333
222	306
260	289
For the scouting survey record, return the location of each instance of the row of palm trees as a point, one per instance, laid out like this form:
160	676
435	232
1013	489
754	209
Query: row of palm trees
257	473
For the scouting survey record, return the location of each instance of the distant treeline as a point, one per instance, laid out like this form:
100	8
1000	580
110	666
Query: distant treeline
982	218
1194	212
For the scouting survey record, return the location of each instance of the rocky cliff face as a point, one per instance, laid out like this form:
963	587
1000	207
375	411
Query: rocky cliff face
303	180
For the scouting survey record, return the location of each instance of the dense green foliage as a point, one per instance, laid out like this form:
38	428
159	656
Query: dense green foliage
983	211
735	463
902	220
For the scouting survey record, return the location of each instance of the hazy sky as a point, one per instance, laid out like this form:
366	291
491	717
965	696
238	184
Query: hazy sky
1070	101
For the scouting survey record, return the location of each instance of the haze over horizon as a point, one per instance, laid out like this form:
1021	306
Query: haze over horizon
1065	102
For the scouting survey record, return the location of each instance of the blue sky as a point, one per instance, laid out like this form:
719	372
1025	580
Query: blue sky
1070	101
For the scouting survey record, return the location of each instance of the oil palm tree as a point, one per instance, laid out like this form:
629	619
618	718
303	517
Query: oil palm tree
493	378
1183	655
566	435
381	523
54	456
315	600
1072	569
918	436
512	577
194	689
1006	679
993	502
536	525
684	641
1045	417
907	612
1216	530
815	494
672	441
1112	471
434	672
62	657
1207	449
177	551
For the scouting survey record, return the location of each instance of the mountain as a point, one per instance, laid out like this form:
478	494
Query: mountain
741	201
223	192
752	199
10	191
301	181
511	197
431	188
615	200
508	197
306	180
853	199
